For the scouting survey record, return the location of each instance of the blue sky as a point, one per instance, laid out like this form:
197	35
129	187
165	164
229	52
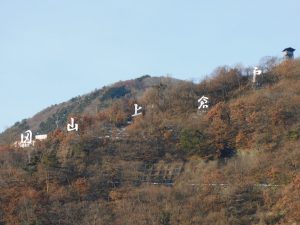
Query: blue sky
53	50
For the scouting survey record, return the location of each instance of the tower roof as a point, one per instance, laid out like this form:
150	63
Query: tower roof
289	49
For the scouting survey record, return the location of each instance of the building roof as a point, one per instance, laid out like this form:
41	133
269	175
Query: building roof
289	49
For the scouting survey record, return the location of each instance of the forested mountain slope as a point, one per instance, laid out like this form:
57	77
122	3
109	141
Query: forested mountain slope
56	116
236	163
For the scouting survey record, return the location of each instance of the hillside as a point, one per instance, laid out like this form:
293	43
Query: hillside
56	116
238	163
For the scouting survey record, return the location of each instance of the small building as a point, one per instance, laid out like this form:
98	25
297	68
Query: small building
288	53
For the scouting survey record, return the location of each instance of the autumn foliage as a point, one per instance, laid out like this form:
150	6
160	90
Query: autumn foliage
238	163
